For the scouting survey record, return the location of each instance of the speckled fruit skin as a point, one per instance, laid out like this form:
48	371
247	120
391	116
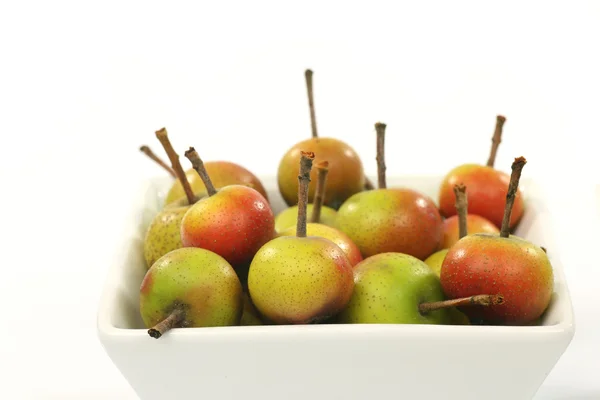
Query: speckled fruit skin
222	173
336	236
345	177
435	261
163	234
475	224
486	191
489	264
288	217
234	223
202	281
388	289
296	280
391	220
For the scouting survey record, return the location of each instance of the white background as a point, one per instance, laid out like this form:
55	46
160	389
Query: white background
83	84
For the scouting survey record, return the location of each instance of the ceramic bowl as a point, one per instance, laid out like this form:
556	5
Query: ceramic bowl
347	362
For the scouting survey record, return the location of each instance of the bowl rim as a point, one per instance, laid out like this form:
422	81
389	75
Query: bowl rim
108	298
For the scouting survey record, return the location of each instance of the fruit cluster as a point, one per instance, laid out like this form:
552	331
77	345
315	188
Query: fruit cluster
344	251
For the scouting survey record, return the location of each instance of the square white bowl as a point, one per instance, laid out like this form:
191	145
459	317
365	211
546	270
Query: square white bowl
359	361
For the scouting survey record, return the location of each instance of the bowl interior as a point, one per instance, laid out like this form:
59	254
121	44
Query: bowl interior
120	305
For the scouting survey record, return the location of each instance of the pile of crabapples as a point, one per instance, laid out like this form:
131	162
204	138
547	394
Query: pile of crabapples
345	250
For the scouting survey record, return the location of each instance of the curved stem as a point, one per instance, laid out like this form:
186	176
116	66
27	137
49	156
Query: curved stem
513	187
147	151
198	165
163	137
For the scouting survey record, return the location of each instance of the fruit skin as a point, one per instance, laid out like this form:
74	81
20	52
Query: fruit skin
182	202
296	280
475	224
435	261
234	223
345	177
222	173
288	217
489	264
250	316
202	281
388	288
458	317
336	236
486	188
164	233
391	220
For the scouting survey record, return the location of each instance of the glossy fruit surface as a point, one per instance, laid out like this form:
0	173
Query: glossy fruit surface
398	220
336	236
222	173
345	177
299	280
288	217
201	282
486	190
164	233
435	261
475	224
389	287
234	223
489	264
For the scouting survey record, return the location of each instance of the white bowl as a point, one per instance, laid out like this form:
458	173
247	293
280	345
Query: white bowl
330	361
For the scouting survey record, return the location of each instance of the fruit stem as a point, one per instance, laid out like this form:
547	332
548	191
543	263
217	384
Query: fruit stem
306	162
496	139
323	169
172	321
163	137
461	209
380	128
478	300
147	151
368	184
308	74
198	165
513	187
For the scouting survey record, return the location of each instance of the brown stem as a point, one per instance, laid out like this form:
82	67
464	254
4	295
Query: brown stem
147	151
478	300
368	184
496	139
198	165
172	321
311	102
163	137
513	187
461	209
323	169
543	248
380	128
306	162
